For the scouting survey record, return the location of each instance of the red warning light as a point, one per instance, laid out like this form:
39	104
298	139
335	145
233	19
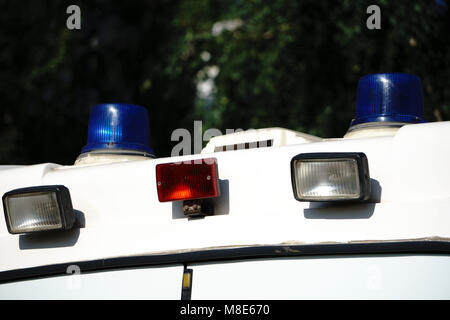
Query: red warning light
195	179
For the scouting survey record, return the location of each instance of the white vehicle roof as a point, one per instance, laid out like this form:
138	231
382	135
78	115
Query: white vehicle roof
256	209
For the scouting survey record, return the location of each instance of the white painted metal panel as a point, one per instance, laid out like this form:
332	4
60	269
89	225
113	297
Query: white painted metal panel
331	277
123	216
138	283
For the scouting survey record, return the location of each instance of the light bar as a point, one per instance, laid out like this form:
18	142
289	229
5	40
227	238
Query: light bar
330	177
196	179
37	209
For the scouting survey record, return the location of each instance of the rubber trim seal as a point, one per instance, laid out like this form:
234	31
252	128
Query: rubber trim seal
241	253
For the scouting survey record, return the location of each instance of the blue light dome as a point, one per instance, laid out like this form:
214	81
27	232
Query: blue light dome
118	126
389	97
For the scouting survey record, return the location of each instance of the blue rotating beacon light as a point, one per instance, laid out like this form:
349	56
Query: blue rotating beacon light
117	129
388	99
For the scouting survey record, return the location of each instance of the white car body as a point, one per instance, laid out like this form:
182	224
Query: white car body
261	243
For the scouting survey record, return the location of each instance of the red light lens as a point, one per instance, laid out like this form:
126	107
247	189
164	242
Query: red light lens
194	179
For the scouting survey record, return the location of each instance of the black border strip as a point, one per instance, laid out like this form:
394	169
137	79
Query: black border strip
241	253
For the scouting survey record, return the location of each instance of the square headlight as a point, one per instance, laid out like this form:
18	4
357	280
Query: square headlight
36	209
330	177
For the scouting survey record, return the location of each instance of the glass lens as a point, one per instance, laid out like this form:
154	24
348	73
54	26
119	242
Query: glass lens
33	212
327	179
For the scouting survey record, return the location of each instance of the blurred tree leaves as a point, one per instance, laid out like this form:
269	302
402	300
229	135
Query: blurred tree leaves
296	64
284	63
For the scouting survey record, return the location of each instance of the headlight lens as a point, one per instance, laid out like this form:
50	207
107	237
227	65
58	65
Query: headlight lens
37	209
330	177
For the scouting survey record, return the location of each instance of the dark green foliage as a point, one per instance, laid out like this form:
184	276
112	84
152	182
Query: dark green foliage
293	64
